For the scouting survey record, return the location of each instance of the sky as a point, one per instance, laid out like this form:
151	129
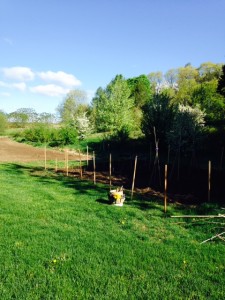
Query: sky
49	47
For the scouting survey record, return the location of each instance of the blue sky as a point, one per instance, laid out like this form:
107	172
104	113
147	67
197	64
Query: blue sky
48	47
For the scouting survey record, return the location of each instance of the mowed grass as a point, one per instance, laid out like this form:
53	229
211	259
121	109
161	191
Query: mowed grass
61	240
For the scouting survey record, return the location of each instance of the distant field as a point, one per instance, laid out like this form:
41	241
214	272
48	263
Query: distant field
61	240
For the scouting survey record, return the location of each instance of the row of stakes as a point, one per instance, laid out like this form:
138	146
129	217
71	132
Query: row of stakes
134	173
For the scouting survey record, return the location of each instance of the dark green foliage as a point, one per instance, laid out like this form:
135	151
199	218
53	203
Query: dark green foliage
121	135
221	82
140	89
158	113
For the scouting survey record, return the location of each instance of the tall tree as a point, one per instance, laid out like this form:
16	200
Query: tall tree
23	116
221	82
73	106
209	71
187	82
46	118
156	79
140	89
212	103
141	92
113	107
158	113
187	128
171	77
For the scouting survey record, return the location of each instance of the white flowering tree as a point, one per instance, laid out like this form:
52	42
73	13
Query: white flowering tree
187	127
83	126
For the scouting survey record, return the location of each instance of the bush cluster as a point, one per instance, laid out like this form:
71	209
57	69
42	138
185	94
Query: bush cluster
41	133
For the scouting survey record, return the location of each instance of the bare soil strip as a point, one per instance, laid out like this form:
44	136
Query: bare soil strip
11	151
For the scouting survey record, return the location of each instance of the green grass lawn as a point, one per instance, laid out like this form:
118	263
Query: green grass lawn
61	240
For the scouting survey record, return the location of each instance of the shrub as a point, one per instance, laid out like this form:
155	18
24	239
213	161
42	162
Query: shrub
68	135
3	122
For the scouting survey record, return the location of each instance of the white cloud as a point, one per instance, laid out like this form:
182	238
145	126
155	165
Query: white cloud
51	90
19	73
60	77
3	84
20	86
58	84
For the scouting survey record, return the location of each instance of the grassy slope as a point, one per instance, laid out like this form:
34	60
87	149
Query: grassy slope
60	240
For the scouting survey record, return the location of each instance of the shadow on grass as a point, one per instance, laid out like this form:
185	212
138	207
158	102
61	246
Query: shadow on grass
86	187
103	201
48	177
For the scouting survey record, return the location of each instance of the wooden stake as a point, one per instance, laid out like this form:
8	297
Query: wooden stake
94	167
81	174
135	167
110	170
165	190
209	180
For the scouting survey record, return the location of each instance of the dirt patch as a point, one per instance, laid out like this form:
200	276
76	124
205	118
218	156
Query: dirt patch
11	151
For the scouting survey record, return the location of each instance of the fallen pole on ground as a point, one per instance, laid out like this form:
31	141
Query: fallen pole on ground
200	216
213	237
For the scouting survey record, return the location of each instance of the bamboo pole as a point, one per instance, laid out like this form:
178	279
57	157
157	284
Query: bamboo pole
213	237
134	174
110	170
200	216
209	181
94	166
165	190
81	173
45	153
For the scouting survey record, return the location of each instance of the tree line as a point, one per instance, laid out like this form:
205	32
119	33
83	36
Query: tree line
175	108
